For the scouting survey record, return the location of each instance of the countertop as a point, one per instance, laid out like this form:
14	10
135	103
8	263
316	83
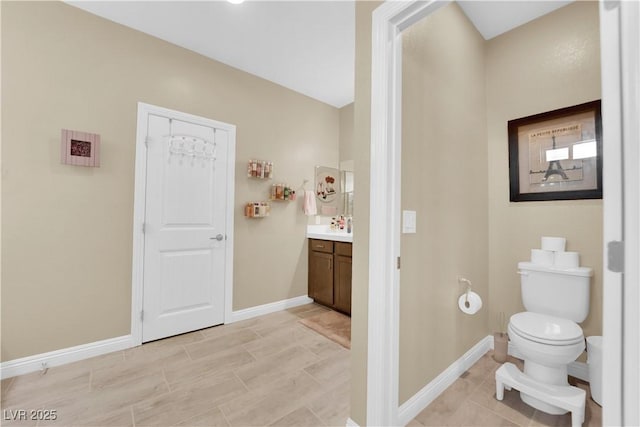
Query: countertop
322	232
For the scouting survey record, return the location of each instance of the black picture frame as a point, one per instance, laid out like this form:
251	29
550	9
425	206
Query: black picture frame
576	127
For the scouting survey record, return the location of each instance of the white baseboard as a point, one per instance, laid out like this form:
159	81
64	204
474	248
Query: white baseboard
412	407
36	362
272	307
63	356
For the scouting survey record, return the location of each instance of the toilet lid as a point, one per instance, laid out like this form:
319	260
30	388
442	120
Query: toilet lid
546	329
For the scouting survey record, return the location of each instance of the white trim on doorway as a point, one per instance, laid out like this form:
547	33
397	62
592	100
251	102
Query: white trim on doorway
612	212
630	52
384	247
139	210
620	58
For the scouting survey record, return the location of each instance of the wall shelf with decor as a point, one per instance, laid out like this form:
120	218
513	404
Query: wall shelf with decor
282	193
260	169
257	210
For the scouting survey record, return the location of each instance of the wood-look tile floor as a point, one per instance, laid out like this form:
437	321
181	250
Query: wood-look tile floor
471	401
264	371
269	370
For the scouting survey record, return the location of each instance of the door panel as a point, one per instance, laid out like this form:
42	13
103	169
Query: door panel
184	280
179	208
184	263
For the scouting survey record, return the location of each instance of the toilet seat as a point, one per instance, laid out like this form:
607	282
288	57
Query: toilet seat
546	329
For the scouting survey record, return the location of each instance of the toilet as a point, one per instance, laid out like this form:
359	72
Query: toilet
547	335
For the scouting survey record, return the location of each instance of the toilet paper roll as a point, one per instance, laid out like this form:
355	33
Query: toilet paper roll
567	259
542	257
556	244
470	302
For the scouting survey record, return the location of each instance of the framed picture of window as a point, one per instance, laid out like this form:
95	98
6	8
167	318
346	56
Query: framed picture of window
556	155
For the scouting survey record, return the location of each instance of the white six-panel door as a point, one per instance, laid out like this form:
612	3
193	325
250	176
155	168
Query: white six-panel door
185	230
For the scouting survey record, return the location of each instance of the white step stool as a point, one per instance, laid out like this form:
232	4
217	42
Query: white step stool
573	399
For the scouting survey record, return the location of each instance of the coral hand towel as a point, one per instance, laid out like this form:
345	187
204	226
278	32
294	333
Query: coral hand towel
309	205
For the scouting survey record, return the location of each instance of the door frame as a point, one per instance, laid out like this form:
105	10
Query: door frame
629	90
388	22
140	192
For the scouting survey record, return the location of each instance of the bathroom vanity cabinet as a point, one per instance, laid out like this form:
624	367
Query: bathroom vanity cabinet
330	274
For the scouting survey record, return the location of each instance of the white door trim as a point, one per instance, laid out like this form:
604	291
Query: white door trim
630	52
140	189
384	239
620	47
612	212
388	21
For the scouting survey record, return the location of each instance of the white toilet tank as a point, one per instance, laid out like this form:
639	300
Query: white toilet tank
557	291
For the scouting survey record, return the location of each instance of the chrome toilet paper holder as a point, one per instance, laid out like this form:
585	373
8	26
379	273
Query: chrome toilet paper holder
467	282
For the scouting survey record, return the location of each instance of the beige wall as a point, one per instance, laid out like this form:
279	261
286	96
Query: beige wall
347	143
444	179
360	279
67	231
550	63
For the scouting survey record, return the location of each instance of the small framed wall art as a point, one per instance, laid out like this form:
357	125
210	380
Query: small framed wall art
556	155
79	148
327	190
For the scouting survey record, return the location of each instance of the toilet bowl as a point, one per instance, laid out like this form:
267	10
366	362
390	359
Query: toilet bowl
547	335
547	345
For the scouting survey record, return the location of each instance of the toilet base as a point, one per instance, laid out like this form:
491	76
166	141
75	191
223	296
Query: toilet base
546	375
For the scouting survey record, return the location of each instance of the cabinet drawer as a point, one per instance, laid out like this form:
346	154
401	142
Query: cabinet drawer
321	245
343	248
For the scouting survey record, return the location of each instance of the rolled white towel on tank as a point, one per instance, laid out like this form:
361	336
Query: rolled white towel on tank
542	257
556	244
567	259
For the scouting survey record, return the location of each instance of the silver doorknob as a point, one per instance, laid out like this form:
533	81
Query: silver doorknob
219	237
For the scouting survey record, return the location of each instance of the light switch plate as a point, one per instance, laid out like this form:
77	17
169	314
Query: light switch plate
408	222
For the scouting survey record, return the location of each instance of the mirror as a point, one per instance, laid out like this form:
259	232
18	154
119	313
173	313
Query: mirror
346	179
346	192
334	190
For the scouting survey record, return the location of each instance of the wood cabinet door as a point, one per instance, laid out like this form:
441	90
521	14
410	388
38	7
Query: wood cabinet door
321	277
342	283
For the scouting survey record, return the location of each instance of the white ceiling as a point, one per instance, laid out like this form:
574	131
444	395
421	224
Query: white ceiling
492	18
306	46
